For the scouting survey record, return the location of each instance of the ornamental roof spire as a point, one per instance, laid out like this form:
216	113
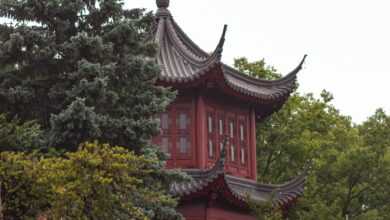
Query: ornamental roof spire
162	3
162	8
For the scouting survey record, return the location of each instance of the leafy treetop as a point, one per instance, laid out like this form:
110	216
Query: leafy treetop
350	164
95	182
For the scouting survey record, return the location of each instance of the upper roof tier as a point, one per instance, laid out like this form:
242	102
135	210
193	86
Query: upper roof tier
182	61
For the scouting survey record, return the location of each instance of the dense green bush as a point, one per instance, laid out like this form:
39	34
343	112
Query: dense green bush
96	182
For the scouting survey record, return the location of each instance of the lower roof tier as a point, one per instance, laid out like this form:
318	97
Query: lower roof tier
236	191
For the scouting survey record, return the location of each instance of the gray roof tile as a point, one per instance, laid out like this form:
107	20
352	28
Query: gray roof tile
240	188
181	61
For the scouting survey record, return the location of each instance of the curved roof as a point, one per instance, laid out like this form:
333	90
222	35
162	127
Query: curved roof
238	189
182	61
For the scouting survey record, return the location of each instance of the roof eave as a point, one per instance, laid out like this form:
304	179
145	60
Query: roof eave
204	180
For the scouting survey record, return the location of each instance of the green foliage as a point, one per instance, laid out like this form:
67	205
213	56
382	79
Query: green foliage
73	71
257	69
95	182
82	69
17	135
265	210
350	164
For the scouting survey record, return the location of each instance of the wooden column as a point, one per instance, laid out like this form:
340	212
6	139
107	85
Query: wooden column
252	150
200	135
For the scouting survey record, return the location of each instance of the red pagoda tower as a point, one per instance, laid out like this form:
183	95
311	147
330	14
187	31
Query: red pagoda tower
209	131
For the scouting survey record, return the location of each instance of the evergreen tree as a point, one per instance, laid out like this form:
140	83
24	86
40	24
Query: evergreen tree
18	136
83	69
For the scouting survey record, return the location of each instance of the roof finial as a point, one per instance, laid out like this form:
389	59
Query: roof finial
162	11
162	3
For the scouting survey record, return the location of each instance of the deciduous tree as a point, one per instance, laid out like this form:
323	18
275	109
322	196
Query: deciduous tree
96	182
350	163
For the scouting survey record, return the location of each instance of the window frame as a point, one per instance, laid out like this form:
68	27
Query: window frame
211	134
243	141
179	133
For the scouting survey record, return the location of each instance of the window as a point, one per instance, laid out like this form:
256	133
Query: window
232	134
233	153
165	144
221	132
211	149
243	156
210	123
242	141
183	133
183	121
184	145
211	135
176	130
164	140
231	125
220	123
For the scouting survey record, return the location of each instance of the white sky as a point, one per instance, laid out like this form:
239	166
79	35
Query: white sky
348	42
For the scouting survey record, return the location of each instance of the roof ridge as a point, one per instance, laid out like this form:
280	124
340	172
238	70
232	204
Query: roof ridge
182	61
188	40
180	46
288	77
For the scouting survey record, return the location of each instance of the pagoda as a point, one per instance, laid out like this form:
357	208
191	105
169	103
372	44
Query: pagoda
209	131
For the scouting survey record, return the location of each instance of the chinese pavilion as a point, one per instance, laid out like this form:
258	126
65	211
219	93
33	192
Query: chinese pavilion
209	131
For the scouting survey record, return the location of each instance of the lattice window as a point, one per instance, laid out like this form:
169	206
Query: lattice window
183	121
220	126
211	148
242	141
231	127
233	152
242	133
210	123
211	131
232	141
243	155
184	145
183	133
175	138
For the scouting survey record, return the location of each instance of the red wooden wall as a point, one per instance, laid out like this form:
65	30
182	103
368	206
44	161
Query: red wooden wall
226	214
226	119
201	211
193	129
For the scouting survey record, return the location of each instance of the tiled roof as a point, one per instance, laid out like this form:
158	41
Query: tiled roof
281	195
182	61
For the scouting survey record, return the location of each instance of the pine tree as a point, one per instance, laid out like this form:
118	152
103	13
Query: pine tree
18	136
83	69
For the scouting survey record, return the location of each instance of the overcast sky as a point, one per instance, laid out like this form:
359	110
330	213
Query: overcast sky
348	42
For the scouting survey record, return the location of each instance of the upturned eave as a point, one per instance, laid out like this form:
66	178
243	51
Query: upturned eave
184	62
